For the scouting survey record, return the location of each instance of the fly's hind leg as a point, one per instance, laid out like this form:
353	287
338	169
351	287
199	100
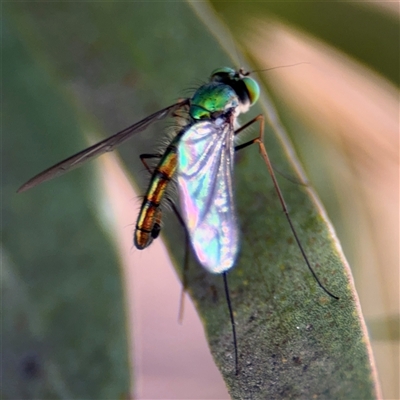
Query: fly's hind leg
185	263
260	141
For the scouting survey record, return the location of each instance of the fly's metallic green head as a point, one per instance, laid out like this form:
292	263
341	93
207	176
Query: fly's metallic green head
246	88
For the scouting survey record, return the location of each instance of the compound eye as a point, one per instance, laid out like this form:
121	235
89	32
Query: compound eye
252	89
222	73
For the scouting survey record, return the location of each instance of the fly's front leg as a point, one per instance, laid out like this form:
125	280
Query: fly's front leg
260	141
261	138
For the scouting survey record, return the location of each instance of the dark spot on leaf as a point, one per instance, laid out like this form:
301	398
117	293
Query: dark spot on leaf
309	327
30	366
297	360
214	293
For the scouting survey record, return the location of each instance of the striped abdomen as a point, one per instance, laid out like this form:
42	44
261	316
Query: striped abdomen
148	224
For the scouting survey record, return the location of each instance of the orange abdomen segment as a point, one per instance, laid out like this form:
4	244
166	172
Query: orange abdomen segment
148	224
150	228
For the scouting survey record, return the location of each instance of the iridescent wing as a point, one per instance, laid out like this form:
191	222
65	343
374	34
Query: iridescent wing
106	145
205	169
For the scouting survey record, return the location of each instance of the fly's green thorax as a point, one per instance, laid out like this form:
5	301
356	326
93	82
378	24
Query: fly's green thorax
212	98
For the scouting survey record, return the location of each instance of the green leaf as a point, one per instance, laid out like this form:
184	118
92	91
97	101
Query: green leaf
121	62
61	291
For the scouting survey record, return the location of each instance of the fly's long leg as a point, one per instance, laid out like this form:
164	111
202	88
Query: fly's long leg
144	157
185	264
228	300
260	141
290	178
